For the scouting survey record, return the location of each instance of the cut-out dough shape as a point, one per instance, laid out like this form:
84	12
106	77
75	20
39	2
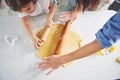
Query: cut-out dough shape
10	39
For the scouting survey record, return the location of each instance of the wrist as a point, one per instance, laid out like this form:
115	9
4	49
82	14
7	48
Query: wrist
61	60
34	38
76	11
49	23
64	59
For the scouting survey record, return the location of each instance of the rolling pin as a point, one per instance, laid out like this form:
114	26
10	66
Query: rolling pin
62	37
46	32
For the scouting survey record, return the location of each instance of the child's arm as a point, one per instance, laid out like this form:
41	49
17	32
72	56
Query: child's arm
49	21
55	62
37	41
50	14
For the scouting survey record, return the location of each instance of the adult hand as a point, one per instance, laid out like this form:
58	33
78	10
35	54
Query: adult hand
52	63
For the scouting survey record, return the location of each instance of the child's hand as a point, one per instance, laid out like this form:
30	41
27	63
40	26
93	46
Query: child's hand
70	15
52	62
37	42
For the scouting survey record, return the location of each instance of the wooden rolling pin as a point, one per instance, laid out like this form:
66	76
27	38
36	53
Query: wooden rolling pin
62	37
45	34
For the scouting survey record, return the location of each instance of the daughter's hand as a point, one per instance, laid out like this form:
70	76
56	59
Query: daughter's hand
69	15
37	42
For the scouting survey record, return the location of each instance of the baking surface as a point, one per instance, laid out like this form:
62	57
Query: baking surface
17	62
72	41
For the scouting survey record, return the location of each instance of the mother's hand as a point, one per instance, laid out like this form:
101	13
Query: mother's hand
52	63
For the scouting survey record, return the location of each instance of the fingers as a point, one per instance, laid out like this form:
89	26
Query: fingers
50	63
65	16
47	63
61	16
43	66
65	13
48	58
49	72
39	44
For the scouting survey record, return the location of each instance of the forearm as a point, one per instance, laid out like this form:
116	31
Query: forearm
28	27
82	52
49	18
51	12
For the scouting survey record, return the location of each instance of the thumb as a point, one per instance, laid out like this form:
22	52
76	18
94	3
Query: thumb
48	58
49	72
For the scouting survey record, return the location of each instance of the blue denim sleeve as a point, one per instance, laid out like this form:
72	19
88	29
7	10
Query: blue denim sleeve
110	32
71	5
118	1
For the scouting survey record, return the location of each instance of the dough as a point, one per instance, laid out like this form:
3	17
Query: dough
72	41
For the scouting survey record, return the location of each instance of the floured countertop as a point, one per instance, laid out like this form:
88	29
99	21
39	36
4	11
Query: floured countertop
17	62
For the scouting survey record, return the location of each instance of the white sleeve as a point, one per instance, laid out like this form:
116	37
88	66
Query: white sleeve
22	14
46	3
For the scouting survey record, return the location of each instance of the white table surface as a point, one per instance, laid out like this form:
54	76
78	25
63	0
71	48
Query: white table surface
18	62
